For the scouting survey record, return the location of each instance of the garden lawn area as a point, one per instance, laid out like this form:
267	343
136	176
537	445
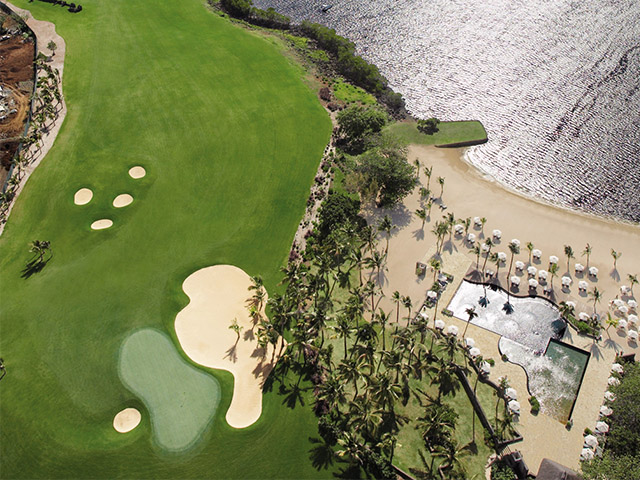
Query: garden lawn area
448	133
230	138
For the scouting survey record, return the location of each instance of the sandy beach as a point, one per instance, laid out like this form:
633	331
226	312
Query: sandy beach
467	193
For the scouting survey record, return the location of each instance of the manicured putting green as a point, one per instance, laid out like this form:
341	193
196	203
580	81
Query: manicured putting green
180	398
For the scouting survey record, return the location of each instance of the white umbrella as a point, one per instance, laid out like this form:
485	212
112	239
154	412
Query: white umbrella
605	411
519	265
542	274
553	259
623	309
471	238
566	281
622	324
477	221
582	285
514	407
532	270
632	319
613	381
616	367
533	283
610	396
586	454
497	234
515	242
584	316
591	441
474	352
593	271
424	315
515	280
485	247
470	342
602	427
624	289
489	273
618	303
439	325
633	335
511	393
485	368
571	304
452	330
458	228
432	295
632	304
536	253
502	256
579	268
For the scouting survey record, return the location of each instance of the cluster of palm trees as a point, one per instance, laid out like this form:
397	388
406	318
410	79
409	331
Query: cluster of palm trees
45	106
364	363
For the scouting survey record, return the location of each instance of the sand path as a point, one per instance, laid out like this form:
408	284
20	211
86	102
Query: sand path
218	294
45	32
468	194
126	420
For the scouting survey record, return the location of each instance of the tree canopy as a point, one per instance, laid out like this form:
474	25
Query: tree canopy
357	122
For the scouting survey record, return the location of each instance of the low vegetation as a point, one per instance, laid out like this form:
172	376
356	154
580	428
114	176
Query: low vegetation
448	133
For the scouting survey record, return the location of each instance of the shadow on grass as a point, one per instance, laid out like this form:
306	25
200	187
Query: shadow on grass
34	266
321	455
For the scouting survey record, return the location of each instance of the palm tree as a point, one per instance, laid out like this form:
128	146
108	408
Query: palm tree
633	280
436	264
553	270
344	329
568	251
514	249
471	314
611	321
236	328
441	182
428	171
483	220
616	256
397	299
257	285
422	215
40	247
597	297
587	252
530	247
416	164
567	311
386	225
424	192
476	251
406	302
489	243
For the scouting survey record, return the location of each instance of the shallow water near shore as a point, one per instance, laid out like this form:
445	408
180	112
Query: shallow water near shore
556	84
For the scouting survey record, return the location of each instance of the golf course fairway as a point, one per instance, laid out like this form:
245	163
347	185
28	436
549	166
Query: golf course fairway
230	138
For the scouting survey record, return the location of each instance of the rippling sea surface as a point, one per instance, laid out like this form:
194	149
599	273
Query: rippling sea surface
555	82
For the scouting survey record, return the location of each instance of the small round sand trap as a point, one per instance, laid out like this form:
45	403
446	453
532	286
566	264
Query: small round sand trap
126	420
137	172
101	224
82	196
122	200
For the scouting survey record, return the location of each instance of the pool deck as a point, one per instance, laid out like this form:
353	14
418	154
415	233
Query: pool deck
410	242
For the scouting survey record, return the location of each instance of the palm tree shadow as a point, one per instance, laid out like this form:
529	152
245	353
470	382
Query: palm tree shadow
34	266
349	472
419	234
595	351
321	455
232	353
292	395
610	343
615	274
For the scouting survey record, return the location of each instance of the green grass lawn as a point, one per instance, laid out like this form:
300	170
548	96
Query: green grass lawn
449	133
350	93
230	137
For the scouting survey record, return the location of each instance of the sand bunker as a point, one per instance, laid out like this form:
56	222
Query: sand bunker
122	200
101	224
126	420
137	172
82	196
217	295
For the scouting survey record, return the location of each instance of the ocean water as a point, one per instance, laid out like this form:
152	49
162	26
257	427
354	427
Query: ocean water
555	82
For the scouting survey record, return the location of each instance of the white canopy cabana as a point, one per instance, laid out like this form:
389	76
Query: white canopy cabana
566	281
514	407
458	229
616	367
474	352
633	335
632	320
579	268
452	330
477	221
593	271
511	393
632	304
582	285
469	342
515	280
553	259
610	396
432	295
602	427
613	381
542	275
586	454
502	256
605	411
532	270
519	265
471	238
485	247
497	234
622	324
623	309
584	316
515	242
536	253
485	368
571	303
591	441
439	324
624	289
533	283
